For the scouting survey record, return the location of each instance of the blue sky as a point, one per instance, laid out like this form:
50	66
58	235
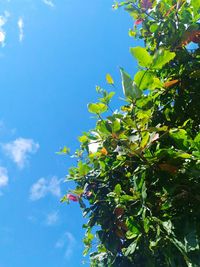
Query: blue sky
52	56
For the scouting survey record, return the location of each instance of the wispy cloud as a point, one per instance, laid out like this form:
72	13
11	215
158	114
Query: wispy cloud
5	131
2	37
19	150
20	24
3	177
48	3
67	242
3	20
52	218
44	187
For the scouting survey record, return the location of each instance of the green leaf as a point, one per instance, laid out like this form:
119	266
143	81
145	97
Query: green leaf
97	108
107	97
143	57
64	150
144	79
197	141
109	79
83	168
130	89
132	227
196	7
167	226
180	137
153	27
146	224
132	33
156	84
118	189
116	126
104	128
126	198
161	58
145	139
83	139
184	155
144	191
131	248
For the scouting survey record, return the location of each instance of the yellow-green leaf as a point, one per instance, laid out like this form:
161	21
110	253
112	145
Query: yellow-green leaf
97	108
109	79
143	57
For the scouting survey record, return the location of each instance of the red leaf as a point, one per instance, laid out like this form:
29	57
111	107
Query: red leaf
138	21
119	211
72	197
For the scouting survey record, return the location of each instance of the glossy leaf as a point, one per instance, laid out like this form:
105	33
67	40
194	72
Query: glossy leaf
142	56
97	108
161	58
130	89
144	79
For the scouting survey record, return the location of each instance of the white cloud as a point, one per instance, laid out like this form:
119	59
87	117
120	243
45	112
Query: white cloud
2	37
3	20
52	218
3	177
48	3
67	242
19	150
43	187
20	24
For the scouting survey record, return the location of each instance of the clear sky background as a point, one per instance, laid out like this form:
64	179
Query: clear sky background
52	56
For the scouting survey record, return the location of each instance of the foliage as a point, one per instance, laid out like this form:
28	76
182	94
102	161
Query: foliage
138	172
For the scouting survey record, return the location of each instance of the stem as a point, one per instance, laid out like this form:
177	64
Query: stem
110	108
134	118
145	12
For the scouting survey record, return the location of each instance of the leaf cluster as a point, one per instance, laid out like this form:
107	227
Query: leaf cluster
138	172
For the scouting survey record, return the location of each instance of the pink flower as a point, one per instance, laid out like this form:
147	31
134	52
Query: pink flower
72	197
146	4
138	21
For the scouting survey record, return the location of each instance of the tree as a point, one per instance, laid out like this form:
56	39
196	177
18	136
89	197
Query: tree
138	172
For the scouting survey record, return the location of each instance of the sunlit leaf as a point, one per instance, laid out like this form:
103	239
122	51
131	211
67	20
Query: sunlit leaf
142	56
97	108
109	79
130	89
161	58
144	79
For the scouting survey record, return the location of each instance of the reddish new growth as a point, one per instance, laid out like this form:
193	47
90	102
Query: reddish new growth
146	4
72	197
138	21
